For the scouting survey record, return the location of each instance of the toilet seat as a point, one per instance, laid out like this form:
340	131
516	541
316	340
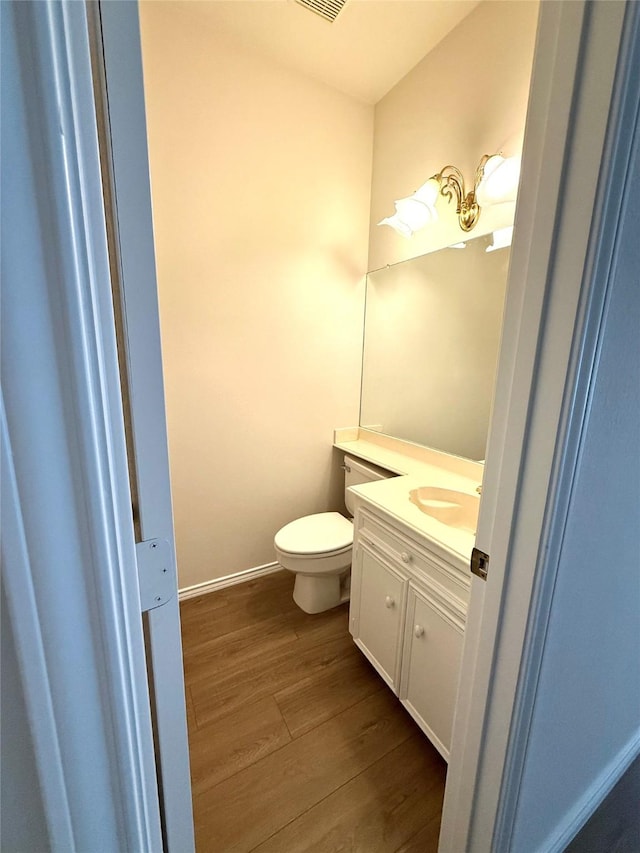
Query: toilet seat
321	533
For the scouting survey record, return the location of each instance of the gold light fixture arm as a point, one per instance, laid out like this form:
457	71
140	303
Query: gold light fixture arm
452	186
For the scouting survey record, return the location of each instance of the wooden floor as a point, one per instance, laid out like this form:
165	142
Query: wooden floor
296	744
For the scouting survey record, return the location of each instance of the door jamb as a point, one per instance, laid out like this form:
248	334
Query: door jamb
547	310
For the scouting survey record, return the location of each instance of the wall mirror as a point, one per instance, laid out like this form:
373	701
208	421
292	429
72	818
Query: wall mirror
431	339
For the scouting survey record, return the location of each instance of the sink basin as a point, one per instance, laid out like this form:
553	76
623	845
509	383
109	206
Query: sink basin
456	509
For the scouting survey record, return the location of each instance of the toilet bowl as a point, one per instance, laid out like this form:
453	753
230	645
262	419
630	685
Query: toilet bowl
317	548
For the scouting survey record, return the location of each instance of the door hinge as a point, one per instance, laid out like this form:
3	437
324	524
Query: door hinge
156	580
479	563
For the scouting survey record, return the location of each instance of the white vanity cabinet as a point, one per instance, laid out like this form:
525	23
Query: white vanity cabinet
431	658
378	626
407	615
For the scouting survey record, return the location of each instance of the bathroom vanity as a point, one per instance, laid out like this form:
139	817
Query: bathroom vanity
425	385
410	579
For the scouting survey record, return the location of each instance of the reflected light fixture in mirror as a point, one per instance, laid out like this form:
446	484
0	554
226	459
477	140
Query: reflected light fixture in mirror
501	239
496	182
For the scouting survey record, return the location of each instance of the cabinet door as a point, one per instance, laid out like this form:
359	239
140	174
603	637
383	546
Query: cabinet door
430	667
380	617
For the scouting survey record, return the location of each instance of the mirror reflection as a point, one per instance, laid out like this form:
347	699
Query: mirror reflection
432	332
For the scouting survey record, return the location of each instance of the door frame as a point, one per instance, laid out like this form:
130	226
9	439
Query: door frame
68	553
568	211
122	131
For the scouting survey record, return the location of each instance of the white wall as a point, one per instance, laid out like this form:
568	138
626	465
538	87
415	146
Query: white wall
261	190
587	710
468	97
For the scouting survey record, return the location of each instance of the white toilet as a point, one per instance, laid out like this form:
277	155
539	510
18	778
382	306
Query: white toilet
317	548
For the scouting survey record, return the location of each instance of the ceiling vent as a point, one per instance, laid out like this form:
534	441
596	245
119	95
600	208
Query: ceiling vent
327	9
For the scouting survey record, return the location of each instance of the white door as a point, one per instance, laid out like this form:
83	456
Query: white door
120	104
69	562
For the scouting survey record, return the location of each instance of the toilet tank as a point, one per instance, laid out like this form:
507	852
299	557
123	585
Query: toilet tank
357	472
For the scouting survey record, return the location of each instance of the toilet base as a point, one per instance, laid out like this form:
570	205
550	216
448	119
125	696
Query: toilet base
345	587
314	594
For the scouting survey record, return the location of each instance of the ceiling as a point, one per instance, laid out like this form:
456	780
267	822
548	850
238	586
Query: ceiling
369	47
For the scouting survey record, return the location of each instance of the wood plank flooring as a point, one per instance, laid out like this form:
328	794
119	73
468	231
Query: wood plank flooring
296	744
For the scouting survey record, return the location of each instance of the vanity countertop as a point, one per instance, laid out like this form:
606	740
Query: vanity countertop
417	467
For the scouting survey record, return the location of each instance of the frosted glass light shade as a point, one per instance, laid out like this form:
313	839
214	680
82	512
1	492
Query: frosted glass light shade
428	194
397	224
414	213
418	210
500	180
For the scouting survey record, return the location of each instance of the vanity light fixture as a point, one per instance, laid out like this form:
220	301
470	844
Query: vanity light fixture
496	182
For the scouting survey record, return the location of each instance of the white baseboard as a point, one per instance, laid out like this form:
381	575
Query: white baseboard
593	797
227	580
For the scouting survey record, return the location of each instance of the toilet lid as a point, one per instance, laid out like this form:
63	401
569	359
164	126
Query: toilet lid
316	534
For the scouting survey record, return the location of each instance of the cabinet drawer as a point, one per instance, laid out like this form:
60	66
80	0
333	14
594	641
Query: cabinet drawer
396	546
431	667
381	616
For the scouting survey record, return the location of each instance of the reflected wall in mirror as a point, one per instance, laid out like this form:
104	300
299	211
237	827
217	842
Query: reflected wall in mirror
432	333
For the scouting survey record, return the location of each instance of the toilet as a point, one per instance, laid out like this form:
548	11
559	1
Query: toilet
317	548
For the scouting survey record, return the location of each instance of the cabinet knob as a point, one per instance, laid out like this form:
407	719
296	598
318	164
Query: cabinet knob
405	557
389	602
418	631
